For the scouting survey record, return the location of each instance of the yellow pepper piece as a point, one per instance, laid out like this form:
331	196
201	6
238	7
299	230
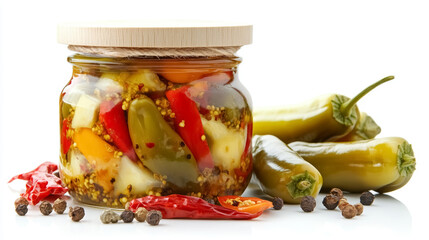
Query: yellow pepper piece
100	156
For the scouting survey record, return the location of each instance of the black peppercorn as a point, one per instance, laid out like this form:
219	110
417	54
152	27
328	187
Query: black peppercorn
127	216
76	214
308	203
330	202
367	198
277	203
337	193
45	208
21	200
60	205
21	209
153	217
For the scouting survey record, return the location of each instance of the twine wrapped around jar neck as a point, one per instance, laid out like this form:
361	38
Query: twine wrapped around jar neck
157	52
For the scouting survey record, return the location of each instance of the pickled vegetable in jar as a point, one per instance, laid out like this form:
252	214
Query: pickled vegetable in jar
154	109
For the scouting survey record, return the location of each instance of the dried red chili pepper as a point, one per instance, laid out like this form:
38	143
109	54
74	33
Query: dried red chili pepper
181	206
46	167
41	183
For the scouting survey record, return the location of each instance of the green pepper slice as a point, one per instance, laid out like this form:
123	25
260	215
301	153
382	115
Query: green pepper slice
158	146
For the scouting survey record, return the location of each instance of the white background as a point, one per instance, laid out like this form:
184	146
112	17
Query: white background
301	49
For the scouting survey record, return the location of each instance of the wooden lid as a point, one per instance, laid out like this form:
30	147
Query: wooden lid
155	34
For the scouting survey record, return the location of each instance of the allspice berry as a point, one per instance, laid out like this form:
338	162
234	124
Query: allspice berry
342	203
349	211
330	202
277	203
337	193
153	217
21	200
60	205
359	208
367	198
21	209
308	203
109	216
140	214
45	208
127	216
76	213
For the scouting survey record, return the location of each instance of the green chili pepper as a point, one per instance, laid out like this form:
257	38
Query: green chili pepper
326	118
281	172
366	128
158	146
383	165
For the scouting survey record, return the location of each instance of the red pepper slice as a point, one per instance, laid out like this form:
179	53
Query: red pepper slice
245	204
189	126
65	141
181	206
41	183
113	119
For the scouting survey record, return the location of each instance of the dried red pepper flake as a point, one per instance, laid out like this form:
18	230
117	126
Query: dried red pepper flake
141	85
150	145
41	183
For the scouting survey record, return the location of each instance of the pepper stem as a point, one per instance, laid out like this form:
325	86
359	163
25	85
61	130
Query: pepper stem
301	185
406	161
346	107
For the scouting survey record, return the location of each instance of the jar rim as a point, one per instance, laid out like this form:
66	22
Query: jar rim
88	60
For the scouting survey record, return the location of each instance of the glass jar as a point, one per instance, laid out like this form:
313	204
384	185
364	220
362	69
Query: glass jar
154	125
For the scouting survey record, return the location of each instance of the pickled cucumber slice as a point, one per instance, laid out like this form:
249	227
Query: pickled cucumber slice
133	179
226	145
86	112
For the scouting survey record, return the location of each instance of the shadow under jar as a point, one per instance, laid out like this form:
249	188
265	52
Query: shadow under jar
152	123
